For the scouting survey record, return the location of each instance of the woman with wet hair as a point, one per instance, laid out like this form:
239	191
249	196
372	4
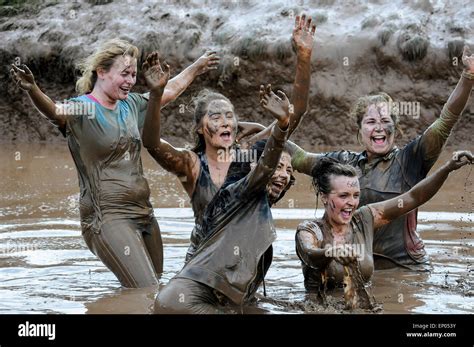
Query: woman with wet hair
386	171
232	258
103	127
203	170
345	233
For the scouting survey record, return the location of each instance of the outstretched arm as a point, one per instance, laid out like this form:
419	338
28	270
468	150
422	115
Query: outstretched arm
302	39
436	135
25	80
279	107
178	161
386	211
178	84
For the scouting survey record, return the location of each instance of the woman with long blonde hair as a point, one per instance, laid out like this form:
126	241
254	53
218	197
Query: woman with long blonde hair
103	126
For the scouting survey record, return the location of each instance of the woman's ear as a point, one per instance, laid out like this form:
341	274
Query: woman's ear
199	130
100	73
324	199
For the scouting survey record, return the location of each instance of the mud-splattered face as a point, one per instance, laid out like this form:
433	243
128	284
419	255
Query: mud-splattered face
377	130
121	77
281	177
219	125
341	203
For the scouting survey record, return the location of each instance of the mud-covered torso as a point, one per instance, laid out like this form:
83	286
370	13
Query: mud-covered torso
204	192
106	149
385	178
360	237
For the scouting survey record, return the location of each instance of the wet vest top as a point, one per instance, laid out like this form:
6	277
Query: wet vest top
385	178
362	225
105	146
204	192
239	231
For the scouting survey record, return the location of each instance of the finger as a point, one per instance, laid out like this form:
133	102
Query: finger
268	90
282	95
261	91
145	66
308	23
313	29
303	21
26	68
297	22
274	96
167	68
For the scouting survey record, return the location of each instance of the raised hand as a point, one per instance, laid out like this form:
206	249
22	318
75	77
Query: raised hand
23	77
303	34
468	59
278	105
206	62
156	78
459	159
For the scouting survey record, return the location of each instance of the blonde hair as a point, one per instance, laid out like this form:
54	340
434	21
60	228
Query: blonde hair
104	57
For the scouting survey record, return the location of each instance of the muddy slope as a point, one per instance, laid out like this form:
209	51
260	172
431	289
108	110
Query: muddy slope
403	47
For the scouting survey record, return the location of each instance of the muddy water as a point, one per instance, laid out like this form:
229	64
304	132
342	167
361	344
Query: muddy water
45	266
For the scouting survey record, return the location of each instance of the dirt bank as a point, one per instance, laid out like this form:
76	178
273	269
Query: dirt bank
405	48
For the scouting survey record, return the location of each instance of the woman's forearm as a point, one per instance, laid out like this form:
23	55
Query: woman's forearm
177	85
301	87
46	106
151	130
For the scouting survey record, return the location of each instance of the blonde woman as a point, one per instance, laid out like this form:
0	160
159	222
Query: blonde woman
103	127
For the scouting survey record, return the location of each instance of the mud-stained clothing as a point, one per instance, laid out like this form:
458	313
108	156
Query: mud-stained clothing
238	227
114	196
388	177
204	192
361	239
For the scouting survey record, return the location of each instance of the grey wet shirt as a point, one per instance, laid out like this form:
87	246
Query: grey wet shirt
387	177
204	192
361	239
239	232
105	145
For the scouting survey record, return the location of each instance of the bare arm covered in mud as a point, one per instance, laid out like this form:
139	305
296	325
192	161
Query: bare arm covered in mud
302	40
386	211
25	80
178	84
279	107
181	162
436	135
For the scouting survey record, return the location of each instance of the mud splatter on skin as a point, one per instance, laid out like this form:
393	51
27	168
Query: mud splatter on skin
356	294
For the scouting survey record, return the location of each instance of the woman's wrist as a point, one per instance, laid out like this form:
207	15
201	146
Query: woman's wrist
468	74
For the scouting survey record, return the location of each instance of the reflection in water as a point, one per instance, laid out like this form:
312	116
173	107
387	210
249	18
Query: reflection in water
46	267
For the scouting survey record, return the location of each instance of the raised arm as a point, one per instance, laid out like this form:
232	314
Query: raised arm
25	80
386	211
436	135
279	107
302	39
178	161
178	84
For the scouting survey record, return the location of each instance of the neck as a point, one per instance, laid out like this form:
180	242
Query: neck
218	155
103	98
335	228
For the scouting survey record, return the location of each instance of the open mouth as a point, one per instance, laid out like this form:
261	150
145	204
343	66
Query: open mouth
125	90
278	186
226	135
346	213
379	139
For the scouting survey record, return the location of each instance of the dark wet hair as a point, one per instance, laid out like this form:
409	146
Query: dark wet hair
201	103
324	168
238	170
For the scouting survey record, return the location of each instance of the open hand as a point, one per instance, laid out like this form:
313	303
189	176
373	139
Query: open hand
459	159
206	62
23	77
468	59
278	105
156	78
303	34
